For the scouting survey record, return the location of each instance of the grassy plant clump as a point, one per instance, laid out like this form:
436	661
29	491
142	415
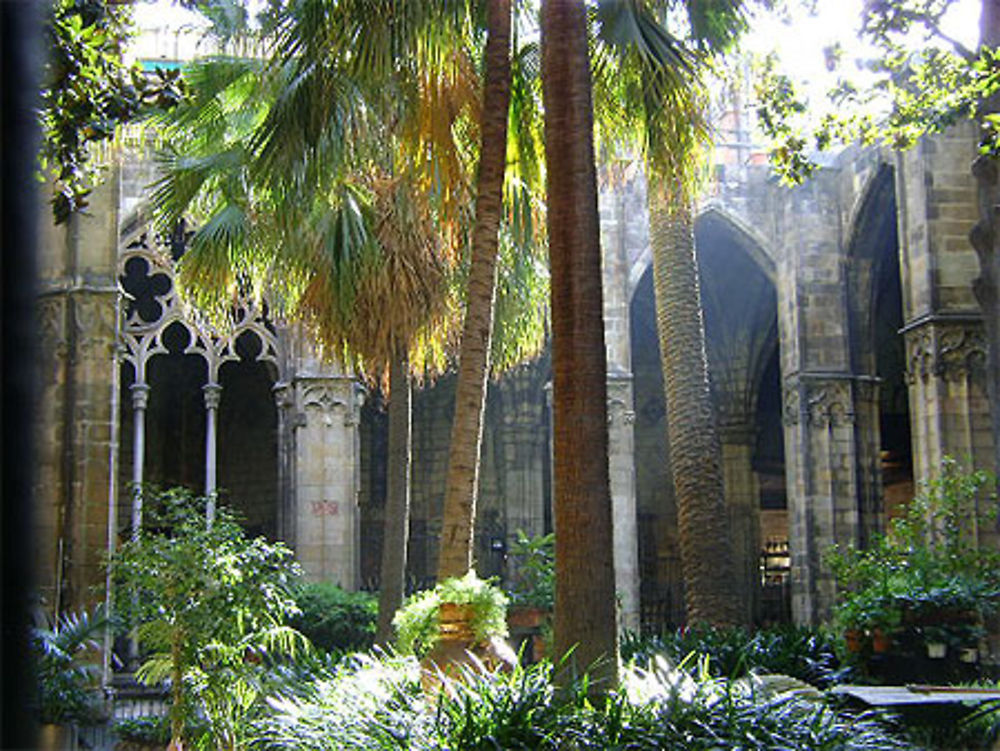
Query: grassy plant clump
373	703
800	652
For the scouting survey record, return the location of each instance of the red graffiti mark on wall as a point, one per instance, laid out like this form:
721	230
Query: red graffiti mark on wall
325	508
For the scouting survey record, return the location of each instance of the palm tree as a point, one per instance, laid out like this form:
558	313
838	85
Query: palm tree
302	202
659	79
461	488
585	617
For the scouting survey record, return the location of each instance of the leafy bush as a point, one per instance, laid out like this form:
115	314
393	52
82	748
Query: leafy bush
800	652
416	623
209	605
334	619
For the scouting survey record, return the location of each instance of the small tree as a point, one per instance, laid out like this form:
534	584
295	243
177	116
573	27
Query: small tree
208	604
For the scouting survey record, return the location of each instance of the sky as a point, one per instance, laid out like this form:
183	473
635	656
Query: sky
169	31
799	45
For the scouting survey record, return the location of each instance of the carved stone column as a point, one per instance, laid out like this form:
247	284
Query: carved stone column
621	463
324	468
213	397
949	409
823	483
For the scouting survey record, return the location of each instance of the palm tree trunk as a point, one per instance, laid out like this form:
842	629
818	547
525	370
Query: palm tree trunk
396	524
585	612
985	237
461	489
695	454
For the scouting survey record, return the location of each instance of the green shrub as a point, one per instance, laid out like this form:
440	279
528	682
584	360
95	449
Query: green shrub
209	606
150	730
334	619
534	583
924	572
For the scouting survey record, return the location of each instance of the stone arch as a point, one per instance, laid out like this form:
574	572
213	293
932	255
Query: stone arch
877	351
181	374
749	238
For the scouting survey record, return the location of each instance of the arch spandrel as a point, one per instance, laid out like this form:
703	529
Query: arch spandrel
152	305
749	238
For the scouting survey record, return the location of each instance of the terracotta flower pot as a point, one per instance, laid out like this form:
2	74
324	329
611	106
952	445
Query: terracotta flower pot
881	641
526	617
854	640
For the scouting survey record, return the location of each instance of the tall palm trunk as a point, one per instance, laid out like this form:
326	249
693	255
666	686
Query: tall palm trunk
585	617
985	236
396	523
461	489
695	454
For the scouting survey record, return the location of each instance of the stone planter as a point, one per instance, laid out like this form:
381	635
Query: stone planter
526	617
56	737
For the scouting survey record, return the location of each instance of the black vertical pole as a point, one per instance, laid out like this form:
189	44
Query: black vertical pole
20	74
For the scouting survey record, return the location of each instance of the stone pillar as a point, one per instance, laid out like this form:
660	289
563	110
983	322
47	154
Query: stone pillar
945	346
820	416
213	396
140	399
523	446
284	399
325	478
621	461
77	308
743	500
949	408
618	205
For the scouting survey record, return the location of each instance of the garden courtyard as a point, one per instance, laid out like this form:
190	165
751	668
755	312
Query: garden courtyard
510	375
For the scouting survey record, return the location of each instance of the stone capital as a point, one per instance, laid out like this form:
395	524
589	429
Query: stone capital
213	395
140	395
950	348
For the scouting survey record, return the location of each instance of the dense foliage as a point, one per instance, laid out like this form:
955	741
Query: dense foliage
89	91
925	563
534	580
334	619
922	81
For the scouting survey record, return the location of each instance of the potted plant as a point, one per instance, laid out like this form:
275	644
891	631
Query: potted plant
458	617
532	588
66	681
935	641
